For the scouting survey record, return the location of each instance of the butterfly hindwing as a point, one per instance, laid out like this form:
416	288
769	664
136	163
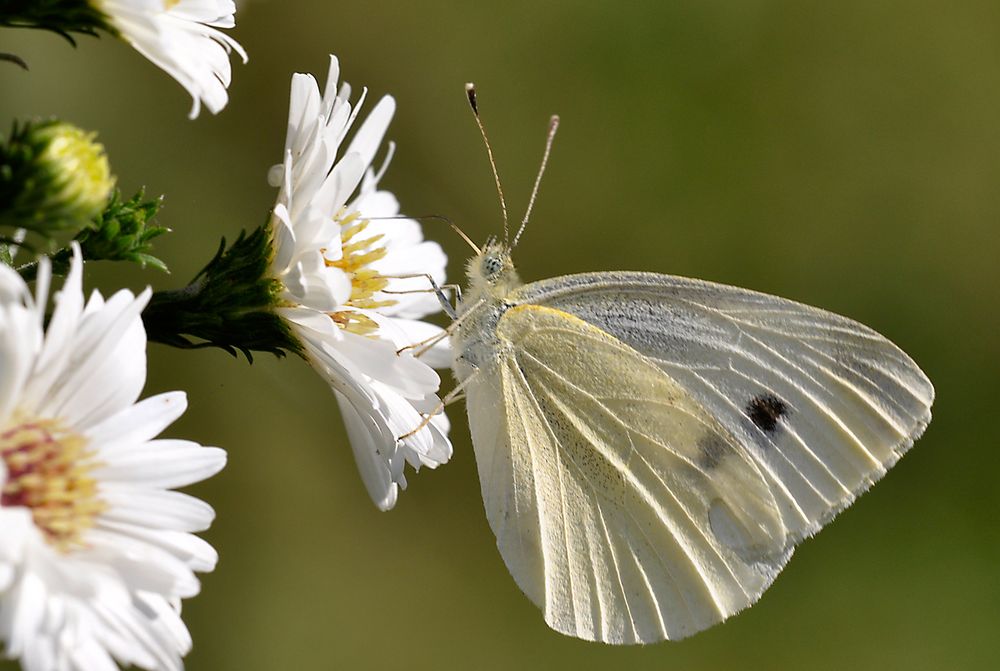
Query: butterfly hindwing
621	506
821	403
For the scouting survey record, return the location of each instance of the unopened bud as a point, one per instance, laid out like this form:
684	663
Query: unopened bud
54	178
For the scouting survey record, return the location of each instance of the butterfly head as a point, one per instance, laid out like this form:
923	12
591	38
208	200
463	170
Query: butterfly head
493	268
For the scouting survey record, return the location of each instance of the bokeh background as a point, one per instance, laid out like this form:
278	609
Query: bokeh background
843	154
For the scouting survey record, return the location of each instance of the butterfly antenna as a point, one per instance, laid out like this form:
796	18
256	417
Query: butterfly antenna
433	217
553	127
470	91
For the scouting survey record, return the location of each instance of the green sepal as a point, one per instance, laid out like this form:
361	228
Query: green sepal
230	304
15	59
62	17
122	232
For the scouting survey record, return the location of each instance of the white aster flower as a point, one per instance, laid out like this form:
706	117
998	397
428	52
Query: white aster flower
182	37
342	270
96	552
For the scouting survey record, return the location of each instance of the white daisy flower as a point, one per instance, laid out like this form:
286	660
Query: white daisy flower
342	270
96	551
182	37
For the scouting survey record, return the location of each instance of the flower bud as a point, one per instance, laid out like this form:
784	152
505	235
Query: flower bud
54	178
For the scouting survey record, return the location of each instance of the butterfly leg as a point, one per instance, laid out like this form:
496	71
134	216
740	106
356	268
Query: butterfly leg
455	288
427	343
438	291
452	396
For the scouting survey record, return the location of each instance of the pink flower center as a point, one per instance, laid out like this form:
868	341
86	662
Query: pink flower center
49	472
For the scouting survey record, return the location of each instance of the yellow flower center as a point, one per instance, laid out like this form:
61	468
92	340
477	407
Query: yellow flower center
357	254
82	166
48	471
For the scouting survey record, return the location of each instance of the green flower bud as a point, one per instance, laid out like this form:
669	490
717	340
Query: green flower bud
54	178
80	167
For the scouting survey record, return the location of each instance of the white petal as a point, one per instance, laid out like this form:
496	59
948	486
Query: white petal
407	332
174	511
369	137
405	374
141	566
12	287
183	40
20	341
161	464
57	347
112	369
192	550
139	423
339	185
88	654
371	454
28	599
374	203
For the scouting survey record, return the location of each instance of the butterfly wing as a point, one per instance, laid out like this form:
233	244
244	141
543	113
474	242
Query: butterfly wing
823	405
621	506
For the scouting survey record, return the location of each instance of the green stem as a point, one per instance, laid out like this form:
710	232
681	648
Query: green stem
60	265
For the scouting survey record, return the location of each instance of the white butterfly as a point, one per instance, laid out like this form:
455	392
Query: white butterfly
652	448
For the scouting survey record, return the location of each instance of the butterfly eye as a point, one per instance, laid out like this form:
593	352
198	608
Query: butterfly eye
492	265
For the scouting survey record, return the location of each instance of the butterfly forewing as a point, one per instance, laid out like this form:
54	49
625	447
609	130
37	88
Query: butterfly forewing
621	505
822	404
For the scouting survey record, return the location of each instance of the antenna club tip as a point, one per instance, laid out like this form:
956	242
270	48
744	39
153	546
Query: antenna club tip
470	91
554	121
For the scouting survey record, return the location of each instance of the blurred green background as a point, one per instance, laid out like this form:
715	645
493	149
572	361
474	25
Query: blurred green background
843	154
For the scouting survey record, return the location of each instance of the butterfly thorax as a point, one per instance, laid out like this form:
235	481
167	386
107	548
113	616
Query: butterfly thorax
492	280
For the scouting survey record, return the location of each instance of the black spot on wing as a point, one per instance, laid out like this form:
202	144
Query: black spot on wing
765	410
711	450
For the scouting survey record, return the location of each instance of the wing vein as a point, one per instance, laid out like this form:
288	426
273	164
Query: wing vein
542	526
823	409
618	575
763	462
646	495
